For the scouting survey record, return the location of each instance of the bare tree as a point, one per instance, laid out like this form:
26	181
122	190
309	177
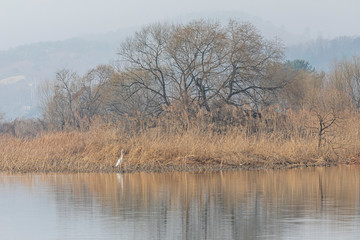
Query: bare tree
326	104
346	78
299	85
124	98
59	99
201	63
92	93
197	53
250	60
143	60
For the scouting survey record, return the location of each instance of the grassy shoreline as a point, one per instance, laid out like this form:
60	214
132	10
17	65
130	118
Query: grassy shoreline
98	149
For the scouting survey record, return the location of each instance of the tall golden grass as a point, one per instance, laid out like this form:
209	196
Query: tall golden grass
175	143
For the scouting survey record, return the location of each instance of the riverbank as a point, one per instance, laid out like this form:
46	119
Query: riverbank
98	150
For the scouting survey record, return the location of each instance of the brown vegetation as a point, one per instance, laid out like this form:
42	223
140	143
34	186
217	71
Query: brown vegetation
275	142
200	96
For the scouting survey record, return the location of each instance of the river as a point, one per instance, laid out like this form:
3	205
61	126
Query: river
309	203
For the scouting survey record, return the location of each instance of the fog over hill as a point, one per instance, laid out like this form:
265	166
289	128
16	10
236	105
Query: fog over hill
322	53
24	68
40	61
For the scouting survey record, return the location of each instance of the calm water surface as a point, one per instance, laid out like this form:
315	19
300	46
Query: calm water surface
321	203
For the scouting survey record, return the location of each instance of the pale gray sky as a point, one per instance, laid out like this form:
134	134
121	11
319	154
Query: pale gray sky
26	21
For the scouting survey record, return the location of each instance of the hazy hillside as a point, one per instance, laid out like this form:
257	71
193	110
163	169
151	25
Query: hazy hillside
40	61
321	53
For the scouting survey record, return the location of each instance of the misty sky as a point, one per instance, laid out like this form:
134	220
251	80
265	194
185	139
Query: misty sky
27	21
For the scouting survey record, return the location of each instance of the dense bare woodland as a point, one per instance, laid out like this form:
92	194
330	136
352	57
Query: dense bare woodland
200	96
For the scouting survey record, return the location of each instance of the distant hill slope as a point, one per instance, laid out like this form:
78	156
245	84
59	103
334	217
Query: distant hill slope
321	53
40	61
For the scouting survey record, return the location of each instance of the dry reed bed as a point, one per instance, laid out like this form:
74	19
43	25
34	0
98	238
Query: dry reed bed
270	142
98	149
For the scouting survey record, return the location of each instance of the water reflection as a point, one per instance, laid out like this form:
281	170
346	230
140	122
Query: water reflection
321	203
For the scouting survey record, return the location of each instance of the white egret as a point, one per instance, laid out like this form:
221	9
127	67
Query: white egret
119	162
